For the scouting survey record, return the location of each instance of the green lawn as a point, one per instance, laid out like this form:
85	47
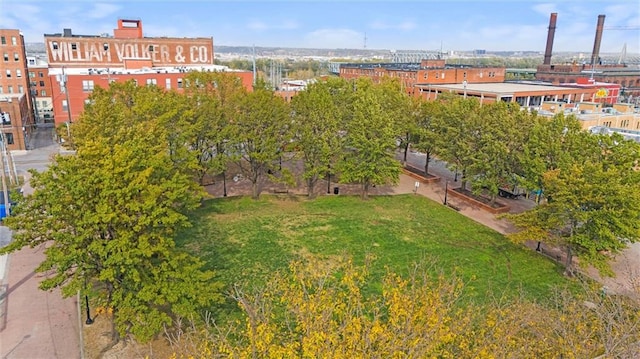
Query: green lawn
245	241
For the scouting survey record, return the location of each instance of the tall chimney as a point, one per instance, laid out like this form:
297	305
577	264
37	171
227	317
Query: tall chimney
550	35
596	43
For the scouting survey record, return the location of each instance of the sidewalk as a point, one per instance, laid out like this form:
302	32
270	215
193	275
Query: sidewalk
34	324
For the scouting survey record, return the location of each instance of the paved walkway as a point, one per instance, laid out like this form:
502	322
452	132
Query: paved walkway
34	324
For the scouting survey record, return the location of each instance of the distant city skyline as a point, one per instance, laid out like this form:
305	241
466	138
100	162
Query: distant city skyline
498	25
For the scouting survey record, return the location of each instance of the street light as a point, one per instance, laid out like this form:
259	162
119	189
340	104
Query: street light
89	320
446	190
329	179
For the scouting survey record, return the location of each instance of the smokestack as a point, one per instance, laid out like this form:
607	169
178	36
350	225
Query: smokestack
596	43
550	36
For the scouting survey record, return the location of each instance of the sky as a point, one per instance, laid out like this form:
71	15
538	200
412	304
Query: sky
450	25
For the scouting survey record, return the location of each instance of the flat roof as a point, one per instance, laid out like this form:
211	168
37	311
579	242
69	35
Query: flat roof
497	87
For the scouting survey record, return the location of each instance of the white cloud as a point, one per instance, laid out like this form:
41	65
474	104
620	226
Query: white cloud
334	38
259	25
102	10
404	25
545	9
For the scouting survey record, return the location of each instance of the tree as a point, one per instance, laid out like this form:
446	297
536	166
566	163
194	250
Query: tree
369	140
426	134
315	128
460	129
213	100
593	203
261	130
108	215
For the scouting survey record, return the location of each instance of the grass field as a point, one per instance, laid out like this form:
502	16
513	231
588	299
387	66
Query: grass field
246	241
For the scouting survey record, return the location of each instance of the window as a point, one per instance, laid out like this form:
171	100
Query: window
20	89
4	40
32	74
87	85
1	89
40	74
33	84
55	45
152	82
179	83
6	56
74	46
43	93
87	101
10	88
42	83
167	84
105	46
32	62
14	42
9	137
18	73
16	57
65	106
8	73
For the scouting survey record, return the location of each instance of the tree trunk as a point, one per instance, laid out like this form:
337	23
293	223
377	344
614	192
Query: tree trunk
426	163
406	150
255	192
365	190
569	263
311	187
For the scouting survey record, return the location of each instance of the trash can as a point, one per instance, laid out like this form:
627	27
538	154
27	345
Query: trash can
336	190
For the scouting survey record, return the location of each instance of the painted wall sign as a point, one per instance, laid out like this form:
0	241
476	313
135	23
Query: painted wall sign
110	51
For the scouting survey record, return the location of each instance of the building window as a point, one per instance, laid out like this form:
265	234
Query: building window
105	46
32	74
74	46
55	45
33	84
18	73
9	137
1	89
152	82
167	84
14	42
8	73
87	101
179	83
42	83
4	40
87	85
20	89
10	88
43	93
32	62
6	56
16	57
40	74
65	106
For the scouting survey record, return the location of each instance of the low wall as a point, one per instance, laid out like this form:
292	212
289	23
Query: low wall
423	179
499	207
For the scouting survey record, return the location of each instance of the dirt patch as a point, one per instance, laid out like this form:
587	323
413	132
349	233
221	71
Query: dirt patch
97	337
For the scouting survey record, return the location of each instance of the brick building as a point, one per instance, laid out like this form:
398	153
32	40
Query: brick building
40	88
435	72
79	63
14	121
15	98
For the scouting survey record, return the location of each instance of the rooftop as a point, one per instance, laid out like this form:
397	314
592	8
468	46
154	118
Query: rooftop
497	87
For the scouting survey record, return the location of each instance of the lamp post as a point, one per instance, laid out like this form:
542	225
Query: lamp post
446	190
224	183
328	182
89	320
464	85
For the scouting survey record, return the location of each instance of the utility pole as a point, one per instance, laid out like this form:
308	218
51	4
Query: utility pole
66	91
5	192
